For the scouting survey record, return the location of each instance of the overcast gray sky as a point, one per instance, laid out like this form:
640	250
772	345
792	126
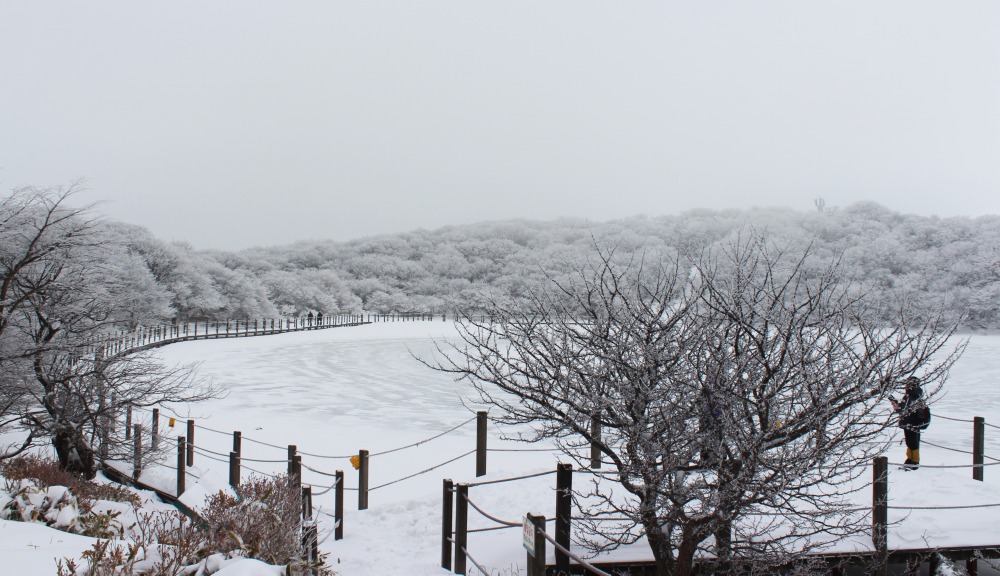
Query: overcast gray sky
240	123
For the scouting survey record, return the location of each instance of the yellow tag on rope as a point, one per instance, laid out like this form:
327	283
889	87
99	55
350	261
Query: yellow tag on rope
356	461
171	422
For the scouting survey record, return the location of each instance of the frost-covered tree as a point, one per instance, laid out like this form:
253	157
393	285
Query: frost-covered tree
739	394
63	289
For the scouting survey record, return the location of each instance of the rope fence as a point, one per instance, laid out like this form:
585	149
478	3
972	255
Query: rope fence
459	494
435	467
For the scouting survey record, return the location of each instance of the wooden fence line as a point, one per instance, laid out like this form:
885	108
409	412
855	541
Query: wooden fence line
454	525
124	342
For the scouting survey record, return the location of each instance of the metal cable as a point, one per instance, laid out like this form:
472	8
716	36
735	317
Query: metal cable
421	472
422	441
485	482
486	514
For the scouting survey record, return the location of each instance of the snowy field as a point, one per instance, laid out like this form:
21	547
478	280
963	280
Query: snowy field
333	392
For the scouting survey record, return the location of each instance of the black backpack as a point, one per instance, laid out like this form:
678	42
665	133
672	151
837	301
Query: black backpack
920	417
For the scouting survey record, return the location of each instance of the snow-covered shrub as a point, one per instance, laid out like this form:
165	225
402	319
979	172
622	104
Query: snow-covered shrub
56	507
263	520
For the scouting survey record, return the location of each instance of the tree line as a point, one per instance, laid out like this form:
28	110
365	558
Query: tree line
922	262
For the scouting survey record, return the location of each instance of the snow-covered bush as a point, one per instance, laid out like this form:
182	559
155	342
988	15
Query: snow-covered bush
56	507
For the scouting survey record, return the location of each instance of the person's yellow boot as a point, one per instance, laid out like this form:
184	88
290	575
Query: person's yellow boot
908	451
915	456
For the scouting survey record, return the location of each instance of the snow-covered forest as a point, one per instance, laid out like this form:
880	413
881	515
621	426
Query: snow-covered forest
921	261
913	259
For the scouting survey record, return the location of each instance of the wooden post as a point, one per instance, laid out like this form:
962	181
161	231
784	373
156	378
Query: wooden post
128	421
536	563
972	567
297	471
595	451
307	498
481	443
181	464
978	439
238	443
155	438
880	514
362	480
292	449
338	506
234	469
564	513
446	512
190	442
461	526
933	564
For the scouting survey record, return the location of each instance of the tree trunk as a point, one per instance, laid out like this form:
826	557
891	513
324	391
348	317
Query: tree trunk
659	543
685	554
74	452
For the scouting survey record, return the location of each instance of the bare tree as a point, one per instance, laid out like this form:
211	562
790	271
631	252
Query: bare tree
58	304
739	395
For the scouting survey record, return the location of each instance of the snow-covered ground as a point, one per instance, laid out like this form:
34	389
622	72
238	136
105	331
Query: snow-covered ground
333	392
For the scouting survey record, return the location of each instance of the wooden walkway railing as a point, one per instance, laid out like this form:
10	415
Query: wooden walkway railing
151	337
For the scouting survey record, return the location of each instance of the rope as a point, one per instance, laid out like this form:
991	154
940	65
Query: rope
186	471
946	467
478	565
943	507
579	560
311	469
523	450
213	430
205	451
199	449
421	472
422	441
248	439
259	472
952	419
493	518
492	528
211	457
947	448
991	425
959	451
321	455
484	483
327	489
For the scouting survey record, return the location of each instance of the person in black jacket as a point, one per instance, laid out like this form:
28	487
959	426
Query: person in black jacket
910	421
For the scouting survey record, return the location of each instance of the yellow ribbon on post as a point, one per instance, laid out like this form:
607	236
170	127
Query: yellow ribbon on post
171	423
356	461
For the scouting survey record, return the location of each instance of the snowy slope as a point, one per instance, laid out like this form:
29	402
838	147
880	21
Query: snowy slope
334	392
